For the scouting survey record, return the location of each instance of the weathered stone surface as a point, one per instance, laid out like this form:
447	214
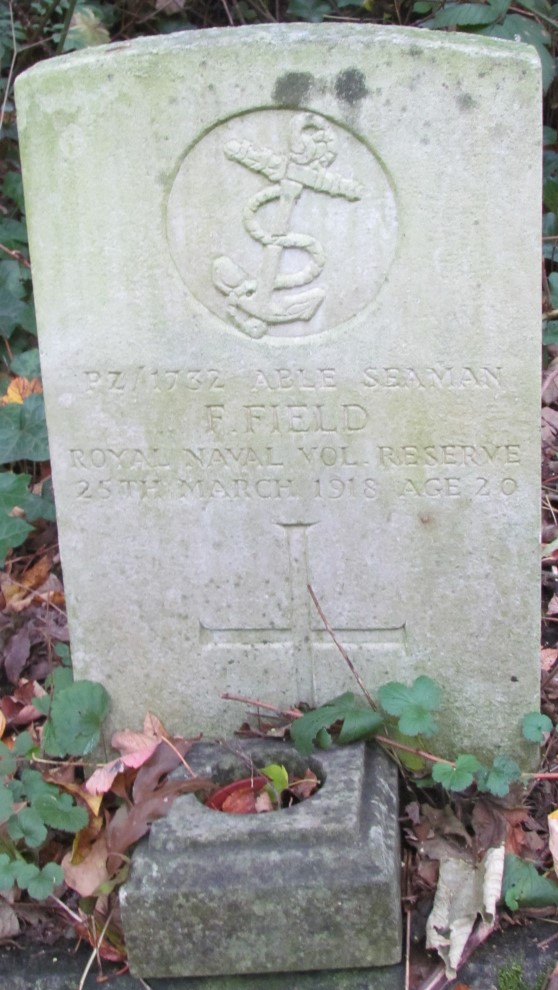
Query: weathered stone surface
313	887
287	285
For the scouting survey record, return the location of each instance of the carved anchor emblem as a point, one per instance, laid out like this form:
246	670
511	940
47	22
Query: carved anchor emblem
252	302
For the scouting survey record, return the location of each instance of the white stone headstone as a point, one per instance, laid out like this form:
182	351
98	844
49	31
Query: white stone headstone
287	284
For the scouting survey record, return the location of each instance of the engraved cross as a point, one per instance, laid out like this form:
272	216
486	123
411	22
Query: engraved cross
301	635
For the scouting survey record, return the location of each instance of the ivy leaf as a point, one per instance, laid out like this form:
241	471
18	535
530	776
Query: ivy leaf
61	812
14	489
535	726
76	716
360	723
523	887
42	885
306	729
23	432
27	825
499	777
459	777
26	363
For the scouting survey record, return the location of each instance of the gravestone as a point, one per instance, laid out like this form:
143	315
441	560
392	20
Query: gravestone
287	285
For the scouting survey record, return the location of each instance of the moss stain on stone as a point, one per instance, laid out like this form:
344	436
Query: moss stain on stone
350	86
293	88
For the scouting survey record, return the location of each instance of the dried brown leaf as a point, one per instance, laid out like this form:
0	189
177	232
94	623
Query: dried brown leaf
16	654
240	802
162	761
304	788
130	824
90	872
9	924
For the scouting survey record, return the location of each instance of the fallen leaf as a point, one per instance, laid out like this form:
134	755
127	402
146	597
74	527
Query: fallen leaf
20	389
3	724
88	874
9	924
162	761
240	802
16	654
304	788
464	892
263	803
553	838
130	824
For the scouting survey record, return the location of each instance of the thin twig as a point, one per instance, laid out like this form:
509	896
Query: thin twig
180	757
393	743
342	650
95	954
75	917
288	712
16	255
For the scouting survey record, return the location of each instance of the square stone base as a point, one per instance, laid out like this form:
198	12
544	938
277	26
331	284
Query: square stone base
310	888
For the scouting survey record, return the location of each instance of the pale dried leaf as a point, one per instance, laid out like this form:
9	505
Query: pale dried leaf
9	924
91	872
553	838
464	892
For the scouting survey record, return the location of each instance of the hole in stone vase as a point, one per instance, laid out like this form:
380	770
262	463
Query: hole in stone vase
275	782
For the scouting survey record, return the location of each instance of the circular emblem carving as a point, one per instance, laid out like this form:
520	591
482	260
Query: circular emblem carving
282	223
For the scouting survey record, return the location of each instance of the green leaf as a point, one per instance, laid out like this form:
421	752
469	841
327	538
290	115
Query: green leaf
499	777
12	188
457	778
523	887
305	730
35	785
24	744
417	721
23	432
6	803
61	812
550	334
8	762
26	364
27	825
40	887
535	726
25	873
278	775
62	651
13	529
76	716
553	286
309	10
465	15
516	27
414	705
550	136
59	679
550	195
360	723
7	872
